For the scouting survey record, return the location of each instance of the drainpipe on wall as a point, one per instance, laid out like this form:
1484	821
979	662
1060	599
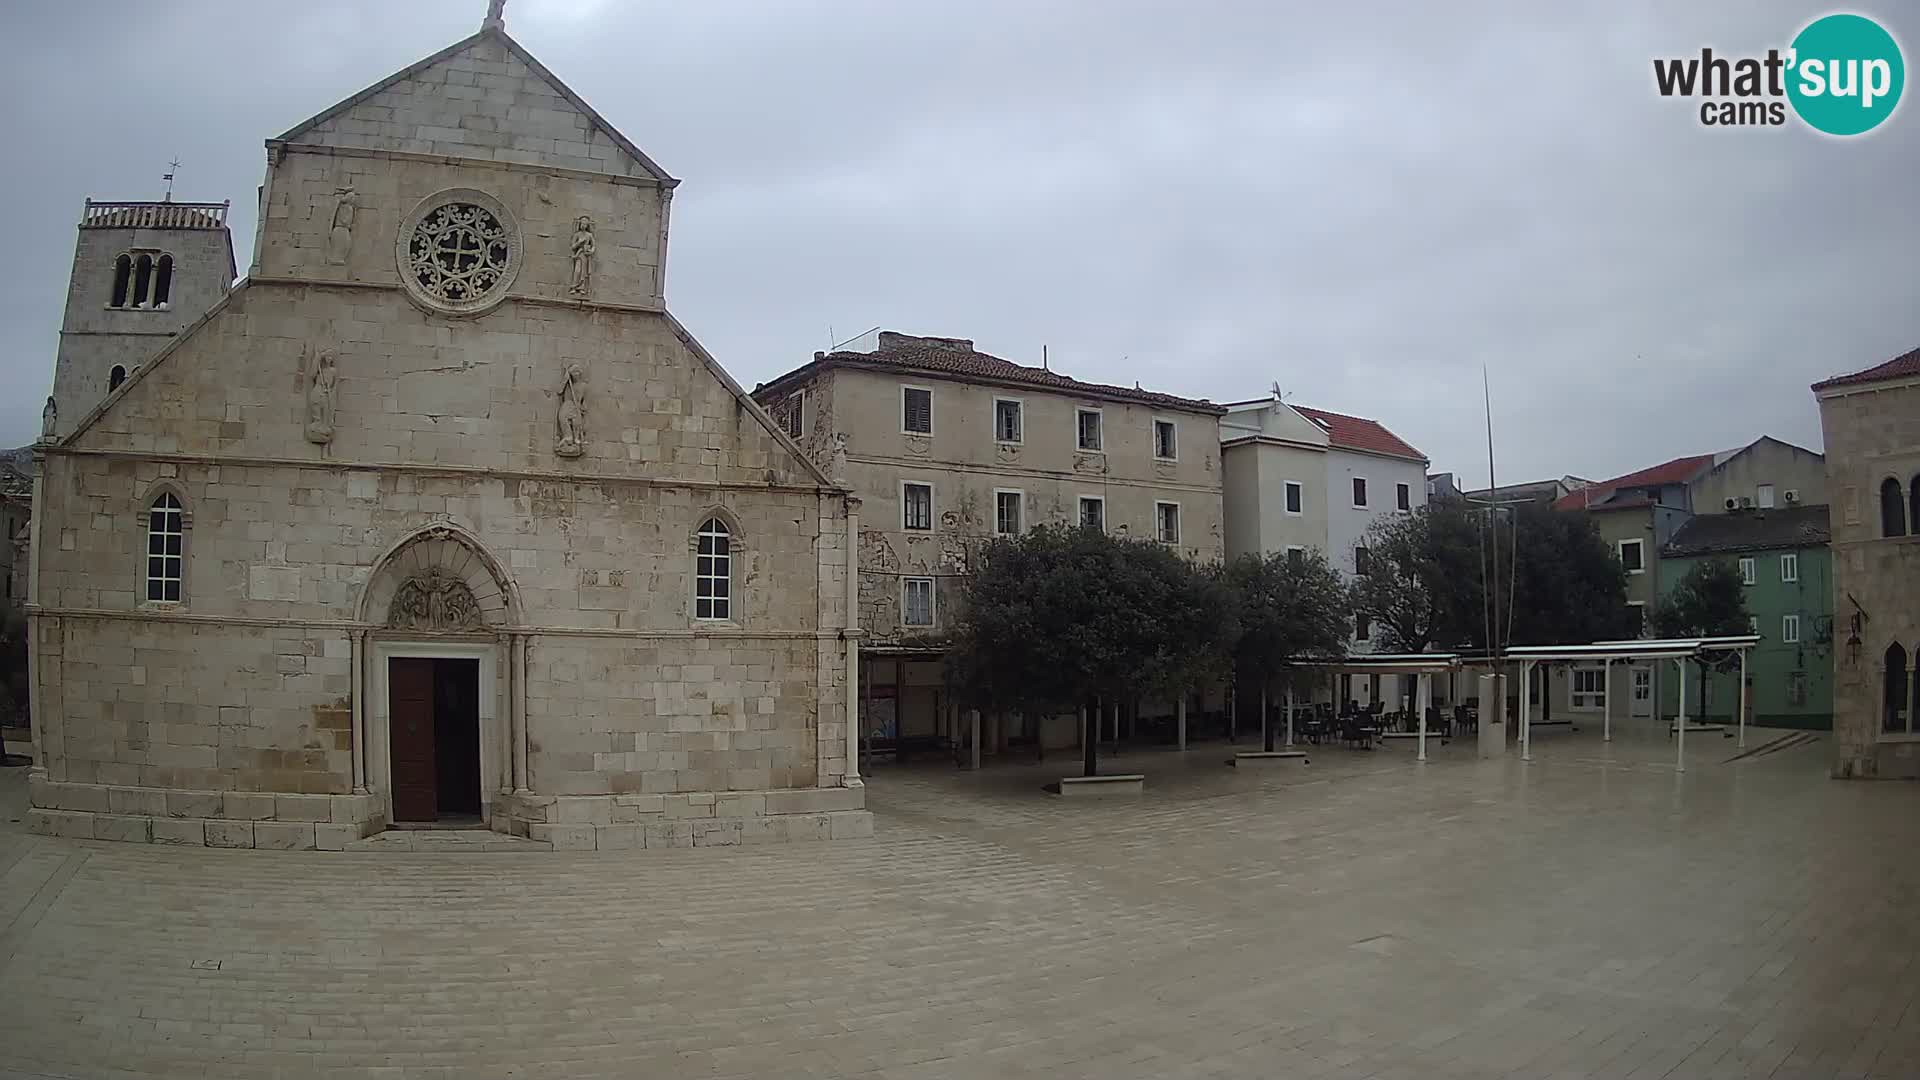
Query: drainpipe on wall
851	777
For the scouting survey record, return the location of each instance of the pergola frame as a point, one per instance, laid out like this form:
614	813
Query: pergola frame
1421	665
1679	650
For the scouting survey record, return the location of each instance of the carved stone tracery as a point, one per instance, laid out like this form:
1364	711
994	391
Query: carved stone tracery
436	603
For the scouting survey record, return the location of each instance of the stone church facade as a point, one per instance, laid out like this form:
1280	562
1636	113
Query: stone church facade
441	516
1871	420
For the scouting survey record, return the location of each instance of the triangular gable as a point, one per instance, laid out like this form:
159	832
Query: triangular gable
378	104
146	367
746	402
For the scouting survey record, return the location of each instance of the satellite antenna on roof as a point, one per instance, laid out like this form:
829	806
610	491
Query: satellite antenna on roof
1277	395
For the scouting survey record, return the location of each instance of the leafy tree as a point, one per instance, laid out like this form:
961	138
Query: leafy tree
1404	591
1710	600
1569	585
1292	605
1060	615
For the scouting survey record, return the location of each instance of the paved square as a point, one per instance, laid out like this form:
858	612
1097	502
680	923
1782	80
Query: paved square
1593	914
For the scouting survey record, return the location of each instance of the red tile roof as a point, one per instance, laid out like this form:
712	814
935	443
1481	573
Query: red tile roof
1678	471
1906	365
1359	433
957	357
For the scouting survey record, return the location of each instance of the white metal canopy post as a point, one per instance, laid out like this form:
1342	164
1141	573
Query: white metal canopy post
1741	743
1606	700
1424	681
1680	724
1289	712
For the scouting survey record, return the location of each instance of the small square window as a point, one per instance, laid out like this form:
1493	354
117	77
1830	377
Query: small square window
916	410
1088	422
1632	557
1093	513
1165	441
916	601
1296	557
1295	498
1008	423
1790	568
1790	629
1748	574
1007	512
1167	517
1360	491
916	507
1403	497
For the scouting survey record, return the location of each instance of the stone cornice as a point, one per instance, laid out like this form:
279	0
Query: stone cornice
349	626
277	146
476	471
396	287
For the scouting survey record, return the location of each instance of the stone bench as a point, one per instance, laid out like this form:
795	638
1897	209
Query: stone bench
1113	784
1267	757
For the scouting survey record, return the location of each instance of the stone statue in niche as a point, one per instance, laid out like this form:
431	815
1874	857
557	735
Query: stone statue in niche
837	459
322	378
582	282
340	233
436	602
49	418
572	421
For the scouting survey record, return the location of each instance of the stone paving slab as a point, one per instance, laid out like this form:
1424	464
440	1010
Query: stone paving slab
459	841
1593	914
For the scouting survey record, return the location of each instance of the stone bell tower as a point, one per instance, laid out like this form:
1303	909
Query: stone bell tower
142	272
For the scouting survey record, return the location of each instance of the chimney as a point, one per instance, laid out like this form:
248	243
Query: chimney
891	339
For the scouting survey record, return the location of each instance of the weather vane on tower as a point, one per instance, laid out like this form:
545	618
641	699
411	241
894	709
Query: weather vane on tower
496	15
172	167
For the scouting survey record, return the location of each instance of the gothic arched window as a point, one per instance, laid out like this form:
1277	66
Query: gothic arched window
166	547
122	279
115	377
713	571
142	280
163	282
1896	690
1893	512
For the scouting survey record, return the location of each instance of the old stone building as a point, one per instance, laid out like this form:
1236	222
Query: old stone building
440	515
947	447
1871	420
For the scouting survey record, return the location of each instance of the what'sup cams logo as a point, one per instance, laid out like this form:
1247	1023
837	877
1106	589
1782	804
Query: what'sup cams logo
1842	75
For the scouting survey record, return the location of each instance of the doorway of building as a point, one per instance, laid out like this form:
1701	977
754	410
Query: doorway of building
434	733
1642	691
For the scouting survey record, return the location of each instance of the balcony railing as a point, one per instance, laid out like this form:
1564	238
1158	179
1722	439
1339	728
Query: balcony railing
154	215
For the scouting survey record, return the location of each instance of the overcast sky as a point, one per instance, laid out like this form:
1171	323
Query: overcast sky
1363	202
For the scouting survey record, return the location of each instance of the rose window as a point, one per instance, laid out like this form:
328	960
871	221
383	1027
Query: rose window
459	253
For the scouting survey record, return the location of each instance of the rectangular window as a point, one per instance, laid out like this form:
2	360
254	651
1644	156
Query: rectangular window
1362	563
1790	568
1361	627
1166	444
1748	572
1632	557
1006	512
1763	497
916	410
916	507
1093	513
1589	688
1402	497
166	537
795	421
1166	517
1753	624
1790	629
1796	688
1088	423
916	601
1296	557
1637	617
1008	423
1295	500
1360	491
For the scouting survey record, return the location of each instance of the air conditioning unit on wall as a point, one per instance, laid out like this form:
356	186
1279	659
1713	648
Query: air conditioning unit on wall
1731	504
1791	495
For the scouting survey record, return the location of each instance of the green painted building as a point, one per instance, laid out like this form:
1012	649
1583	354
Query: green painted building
1784	559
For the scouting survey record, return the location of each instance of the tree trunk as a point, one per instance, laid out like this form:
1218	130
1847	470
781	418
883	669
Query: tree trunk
1266	722
1089	739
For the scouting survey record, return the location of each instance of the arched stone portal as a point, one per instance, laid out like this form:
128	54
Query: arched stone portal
441	649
